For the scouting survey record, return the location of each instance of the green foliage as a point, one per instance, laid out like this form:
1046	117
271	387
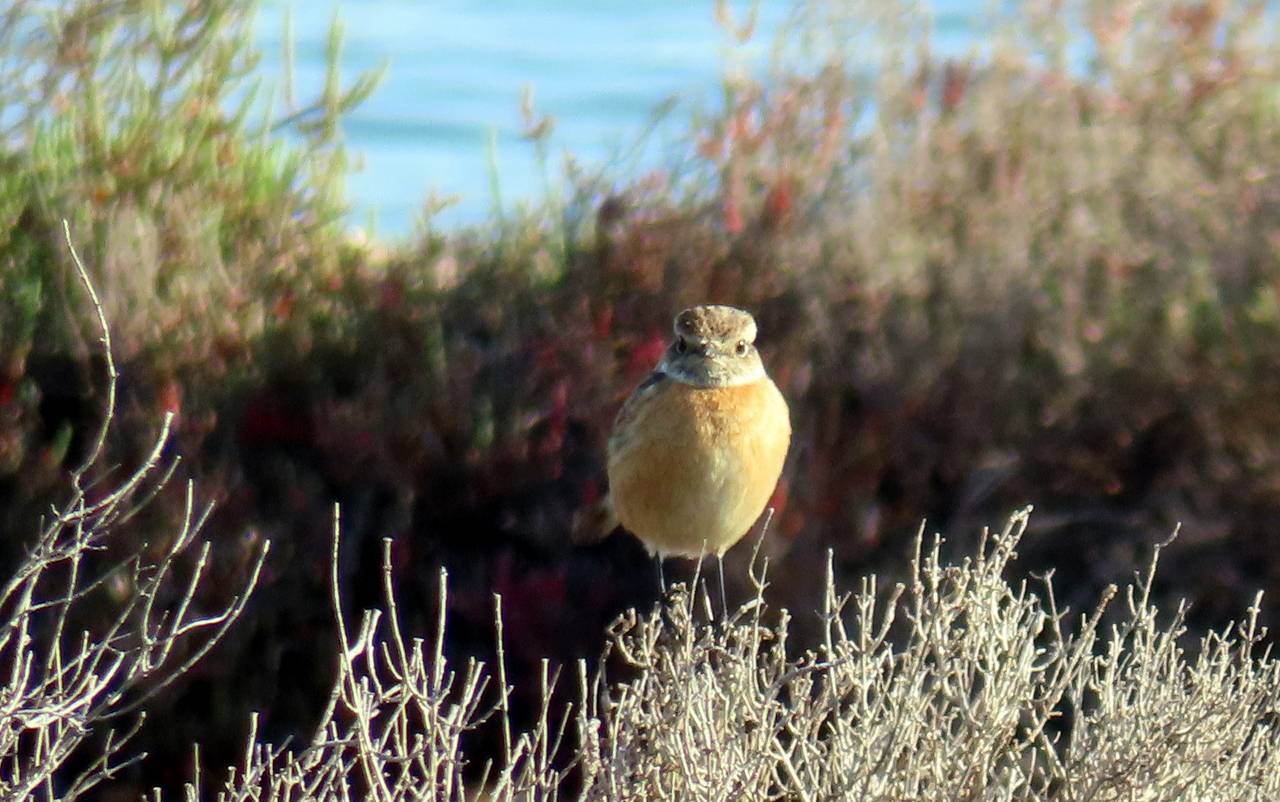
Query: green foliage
137	122
1046	270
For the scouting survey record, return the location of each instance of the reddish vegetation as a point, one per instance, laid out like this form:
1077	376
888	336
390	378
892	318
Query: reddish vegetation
999	295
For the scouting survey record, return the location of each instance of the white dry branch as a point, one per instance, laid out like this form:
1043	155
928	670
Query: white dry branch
955	686
983	694
59	684
395	721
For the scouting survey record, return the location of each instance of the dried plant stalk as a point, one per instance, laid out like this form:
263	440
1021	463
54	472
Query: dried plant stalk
62	685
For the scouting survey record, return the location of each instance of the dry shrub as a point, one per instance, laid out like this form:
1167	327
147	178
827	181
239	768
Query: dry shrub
958	685
91	629
1025	274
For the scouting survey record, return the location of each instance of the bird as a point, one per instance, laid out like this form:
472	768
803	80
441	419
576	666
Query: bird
697	449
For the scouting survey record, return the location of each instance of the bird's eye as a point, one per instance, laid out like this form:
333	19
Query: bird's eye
741	348
681	345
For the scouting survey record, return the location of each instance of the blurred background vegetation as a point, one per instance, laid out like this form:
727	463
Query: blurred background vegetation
1047	275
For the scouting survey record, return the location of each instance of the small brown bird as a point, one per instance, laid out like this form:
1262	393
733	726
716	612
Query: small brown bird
697	449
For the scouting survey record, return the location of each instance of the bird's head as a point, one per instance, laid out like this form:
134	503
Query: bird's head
714	346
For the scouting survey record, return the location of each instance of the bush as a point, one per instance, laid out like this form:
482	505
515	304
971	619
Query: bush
957	685
1043	271
92	628
135	121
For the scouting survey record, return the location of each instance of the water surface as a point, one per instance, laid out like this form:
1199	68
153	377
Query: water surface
449	105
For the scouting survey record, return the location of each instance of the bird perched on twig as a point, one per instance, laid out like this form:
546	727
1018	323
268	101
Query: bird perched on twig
697	449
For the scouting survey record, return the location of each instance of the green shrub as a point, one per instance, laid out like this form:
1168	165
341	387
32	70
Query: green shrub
137	121
1043	271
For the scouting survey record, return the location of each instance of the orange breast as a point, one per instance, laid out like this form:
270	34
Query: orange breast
690	468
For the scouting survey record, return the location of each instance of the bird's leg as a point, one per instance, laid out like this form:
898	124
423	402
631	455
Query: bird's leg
662	582
724	603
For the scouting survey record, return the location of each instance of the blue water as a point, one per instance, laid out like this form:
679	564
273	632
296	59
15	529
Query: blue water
449	105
